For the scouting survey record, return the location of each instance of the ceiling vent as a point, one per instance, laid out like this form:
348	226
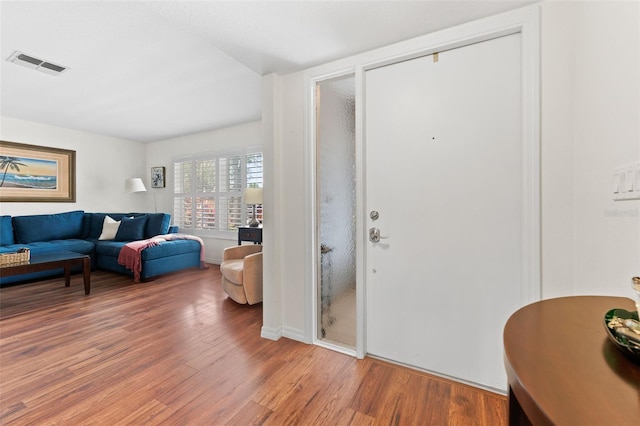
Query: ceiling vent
41	65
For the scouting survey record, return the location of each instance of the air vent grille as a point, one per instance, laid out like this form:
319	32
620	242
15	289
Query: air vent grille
34	63
53	67
29	59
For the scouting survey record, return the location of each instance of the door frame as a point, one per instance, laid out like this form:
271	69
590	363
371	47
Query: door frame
525	21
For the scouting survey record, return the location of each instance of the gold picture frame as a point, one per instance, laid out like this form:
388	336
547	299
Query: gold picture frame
31	173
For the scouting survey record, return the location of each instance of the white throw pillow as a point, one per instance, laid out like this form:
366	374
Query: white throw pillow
109	228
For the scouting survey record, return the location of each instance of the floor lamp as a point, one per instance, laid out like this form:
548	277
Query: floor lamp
136	185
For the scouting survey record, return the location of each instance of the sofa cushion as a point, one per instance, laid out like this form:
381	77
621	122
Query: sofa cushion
93	223
109	248
40	247
131	229
11	248
164	250
157	224
110	228
171	248
47	227
6	231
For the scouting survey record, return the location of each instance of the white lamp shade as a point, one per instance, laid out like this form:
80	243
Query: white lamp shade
253	196
134	185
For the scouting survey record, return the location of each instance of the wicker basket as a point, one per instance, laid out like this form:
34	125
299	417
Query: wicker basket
21	256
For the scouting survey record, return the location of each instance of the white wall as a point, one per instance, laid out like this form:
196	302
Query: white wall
285	233
557	149
590	125
102	165
273	262
162	153
294	234
590	100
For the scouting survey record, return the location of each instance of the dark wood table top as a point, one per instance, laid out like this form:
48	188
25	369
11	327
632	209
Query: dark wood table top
42	259
55	256
562	367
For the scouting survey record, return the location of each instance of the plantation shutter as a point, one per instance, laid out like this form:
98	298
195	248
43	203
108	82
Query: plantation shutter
208	191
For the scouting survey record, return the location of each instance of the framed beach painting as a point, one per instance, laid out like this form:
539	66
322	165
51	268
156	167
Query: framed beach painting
30	173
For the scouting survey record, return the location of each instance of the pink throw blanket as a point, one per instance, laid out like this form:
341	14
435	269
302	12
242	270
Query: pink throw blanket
130	254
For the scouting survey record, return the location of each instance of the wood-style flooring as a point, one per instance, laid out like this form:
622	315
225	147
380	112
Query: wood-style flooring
176	351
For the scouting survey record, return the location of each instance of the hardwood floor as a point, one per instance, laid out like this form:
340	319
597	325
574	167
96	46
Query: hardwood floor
176	351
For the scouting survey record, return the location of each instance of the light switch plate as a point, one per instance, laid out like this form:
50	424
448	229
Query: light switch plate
626	183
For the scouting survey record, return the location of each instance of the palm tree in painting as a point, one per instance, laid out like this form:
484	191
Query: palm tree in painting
7	163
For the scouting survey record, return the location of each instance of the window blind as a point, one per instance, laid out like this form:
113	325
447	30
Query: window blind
208	191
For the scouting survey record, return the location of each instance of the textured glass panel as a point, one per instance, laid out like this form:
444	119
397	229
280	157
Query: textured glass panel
335	133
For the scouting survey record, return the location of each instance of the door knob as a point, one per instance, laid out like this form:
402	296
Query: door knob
374	235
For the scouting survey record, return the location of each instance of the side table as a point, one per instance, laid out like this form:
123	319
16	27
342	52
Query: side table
248	233
562	368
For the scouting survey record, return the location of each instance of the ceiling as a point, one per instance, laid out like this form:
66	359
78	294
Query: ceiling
152	70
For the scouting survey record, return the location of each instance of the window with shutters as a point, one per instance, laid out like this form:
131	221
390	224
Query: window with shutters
208	191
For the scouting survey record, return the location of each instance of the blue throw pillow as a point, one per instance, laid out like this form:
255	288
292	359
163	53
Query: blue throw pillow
131	229
6	231
157	224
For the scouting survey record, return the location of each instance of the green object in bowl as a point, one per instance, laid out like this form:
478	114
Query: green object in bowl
626	346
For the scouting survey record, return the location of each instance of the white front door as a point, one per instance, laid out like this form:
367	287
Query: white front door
444	170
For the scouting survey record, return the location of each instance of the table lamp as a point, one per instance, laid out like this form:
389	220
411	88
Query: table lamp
253	196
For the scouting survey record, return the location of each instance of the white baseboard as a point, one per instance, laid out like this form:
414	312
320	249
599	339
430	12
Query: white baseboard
295	334
271	333
289	333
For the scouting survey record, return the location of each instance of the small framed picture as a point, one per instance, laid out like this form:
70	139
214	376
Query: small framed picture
157	177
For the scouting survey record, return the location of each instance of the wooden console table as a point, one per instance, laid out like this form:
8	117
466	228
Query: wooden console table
563	370
49	261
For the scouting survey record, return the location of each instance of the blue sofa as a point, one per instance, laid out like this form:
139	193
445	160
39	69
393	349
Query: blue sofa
79	231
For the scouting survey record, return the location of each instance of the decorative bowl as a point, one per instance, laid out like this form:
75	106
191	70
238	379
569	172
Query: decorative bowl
611	323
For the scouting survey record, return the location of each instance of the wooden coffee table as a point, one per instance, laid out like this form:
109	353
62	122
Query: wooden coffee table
563	370
50	261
